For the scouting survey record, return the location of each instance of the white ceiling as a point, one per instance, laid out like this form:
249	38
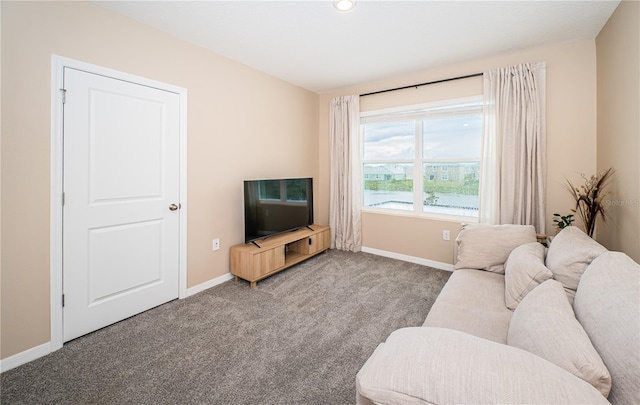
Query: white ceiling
310	44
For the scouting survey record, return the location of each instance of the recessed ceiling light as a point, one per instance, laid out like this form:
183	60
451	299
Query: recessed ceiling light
344	5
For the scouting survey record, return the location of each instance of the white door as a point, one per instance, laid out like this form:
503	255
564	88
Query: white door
121	199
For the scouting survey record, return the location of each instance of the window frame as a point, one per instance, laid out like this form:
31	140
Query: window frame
414	112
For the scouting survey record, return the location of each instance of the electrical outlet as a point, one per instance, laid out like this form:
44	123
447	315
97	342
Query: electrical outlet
216	244
446	235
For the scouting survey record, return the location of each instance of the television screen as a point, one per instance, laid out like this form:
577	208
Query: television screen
276	206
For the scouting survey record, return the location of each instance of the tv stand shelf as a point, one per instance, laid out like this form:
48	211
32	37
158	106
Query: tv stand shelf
252	263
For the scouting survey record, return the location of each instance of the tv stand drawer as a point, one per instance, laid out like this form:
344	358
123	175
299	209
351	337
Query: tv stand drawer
312	244
268	261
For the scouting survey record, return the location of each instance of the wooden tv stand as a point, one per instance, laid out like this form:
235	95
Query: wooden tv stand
252	263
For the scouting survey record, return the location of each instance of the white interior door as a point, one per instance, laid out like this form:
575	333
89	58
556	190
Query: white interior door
121	193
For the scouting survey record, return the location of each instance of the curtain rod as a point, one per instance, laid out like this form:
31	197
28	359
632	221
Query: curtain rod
422	84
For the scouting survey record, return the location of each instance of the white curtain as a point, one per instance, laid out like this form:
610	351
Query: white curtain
513	174
346	187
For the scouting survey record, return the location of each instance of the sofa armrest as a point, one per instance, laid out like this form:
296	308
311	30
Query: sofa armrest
443	366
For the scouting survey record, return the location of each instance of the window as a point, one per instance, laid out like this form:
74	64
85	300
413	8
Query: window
423	159
270	190
291	190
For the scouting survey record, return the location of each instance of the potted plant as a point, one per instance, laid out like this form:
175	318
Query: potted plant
562	221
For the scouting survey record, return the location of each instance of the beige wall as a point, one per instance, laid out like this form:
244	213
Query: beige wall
571	137
241	124
618	50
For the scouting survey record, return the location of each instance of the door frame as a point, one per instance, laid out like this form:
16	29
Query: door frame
58	64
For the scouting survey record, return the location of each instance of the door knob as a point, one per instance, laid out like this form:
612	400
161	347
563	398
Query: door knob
173	207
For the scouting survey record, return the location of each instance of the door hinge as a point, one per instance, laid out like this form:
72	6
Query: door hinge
63	198
64	95
63	300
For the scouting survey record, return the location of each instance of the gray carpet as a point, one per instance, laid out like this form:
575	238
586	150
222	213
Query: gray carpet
300	337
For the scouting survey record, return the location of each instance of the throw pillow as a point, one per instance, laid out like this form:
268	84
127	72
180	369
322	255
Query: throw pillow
486	247
523	271
570	253
545	325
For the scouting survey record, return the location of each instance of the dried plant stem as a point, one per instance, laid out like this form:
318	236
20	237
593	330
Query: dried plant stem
589	199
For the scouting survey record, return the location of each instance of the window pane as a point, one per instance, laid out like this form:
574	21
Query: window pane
388	186
269	190
451	188
297	190
389	140
456	137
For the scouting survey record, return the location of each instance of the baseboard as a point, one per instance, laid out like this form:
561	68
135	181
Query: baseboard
25	357
208	284
410	259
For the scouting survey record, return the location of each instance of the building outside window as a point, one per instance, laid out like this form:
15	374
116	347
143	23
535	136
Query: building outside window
423	159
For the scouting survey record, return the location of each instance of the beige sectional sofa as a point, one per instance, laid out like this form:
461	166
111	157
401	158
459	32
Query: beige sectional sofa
519	324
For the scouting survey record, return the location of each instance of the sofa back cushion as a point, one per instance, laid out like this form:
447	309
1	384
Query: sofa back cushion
486	247
523	271
607	304
570	252
544	324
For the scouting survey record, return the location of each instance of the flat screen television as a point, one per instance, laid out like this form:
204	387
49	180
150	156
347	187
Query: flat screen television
276	206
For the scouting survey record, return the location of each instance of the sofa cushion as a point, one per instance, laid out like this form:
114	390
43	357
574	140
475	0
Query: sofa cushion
544	324
523	271
472	301
607	304
443	366
570	252
486	247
